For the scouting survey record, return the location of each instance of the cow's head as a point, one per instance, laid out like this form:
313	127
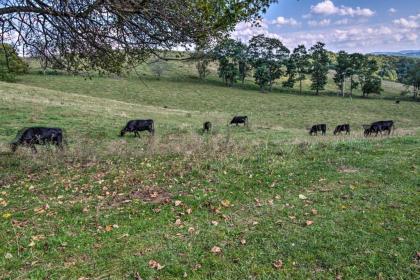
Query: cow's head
122	133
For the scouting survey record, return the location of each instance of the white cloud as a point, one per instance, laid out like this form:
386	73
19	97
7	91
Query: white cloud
342	21
244	31
327	7
323	22
392	11
413	22
280	21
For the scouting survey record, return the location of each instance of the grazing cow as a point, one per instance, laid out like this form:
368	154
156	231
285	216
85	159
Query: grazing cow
38	136
378	127
397	102
138	125
239	119
318	127
367	129
207	127
342	128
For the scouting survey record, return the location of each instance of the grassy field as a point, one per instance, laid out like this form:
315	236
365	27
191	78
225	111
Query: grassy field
264	202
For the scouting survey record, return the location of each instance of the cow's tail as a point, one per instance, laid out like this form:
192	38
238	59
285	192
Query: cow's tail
153	127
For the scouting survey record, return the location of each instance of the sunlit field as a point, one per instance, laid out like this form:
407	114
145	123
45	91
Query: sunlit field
266	201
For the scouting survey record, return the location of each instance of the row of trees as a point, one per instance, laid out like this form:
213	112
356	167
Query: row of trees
270	60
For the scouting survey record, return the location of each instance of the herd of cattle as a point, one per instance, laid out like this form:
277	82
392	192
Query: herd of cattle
44	135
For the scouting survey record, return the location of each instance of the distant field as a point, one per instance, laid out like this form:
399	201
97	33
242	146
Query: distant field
342	207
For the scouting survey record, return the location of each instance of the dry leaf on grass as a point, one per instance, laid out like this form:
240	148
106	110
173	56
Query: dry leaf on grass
314	211
308	223
243	241
214	223
216	250
278	264
178	202
155	265
225	203
301	196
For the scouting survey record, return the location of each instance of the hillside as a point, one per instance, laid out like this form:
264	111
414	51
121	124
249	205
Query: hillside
263	202
406	53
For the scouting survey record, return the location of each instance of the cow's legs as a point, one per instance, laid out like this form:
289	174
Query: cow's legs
33	148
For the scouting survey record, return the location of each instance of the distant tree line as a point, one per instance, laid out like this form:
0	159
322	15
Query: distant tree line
268	59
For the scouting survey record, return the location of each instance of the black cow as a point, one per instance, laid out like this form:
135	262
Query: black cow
239	119
342	128
318	127
397	102
38	136
138	125
378	127
207	127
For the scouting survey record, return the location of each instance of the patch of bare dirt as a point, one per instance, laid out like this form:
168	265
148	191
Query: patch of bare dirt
152	195
347	169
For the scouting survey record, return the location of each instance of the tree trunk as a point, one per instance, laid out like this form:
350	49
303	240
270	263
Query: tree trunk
300	85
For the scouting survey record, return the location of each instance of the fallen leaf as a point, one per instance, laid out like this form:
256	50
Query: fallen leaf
270	202
38	237
189	211
191	230
308	223
243	241
214	223
178	222
301	196
155	265
3	202
196	266
32	244
8	256
278	264
7	215
216	250
108	228
257	202
314	211
225	203
178	202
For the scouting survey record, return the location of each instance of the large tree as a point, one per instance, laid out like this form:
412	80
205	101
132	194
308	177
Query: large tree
369	80
297	67
341	70
413	78
232	57
319	66
356	62
269	55
89	34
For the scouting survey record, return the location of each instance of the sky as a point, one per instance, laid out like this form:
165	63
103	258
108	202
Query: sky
351	25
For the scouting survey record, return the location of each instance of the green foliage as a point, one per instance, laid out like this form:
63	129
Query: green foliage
10	63
262	77
233	60
270	55
369	80
228	71
319	66
341	70
413	78
158	67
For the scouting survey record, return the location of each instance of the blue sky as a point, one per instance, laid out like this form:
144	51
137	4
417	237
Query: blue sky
351	25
